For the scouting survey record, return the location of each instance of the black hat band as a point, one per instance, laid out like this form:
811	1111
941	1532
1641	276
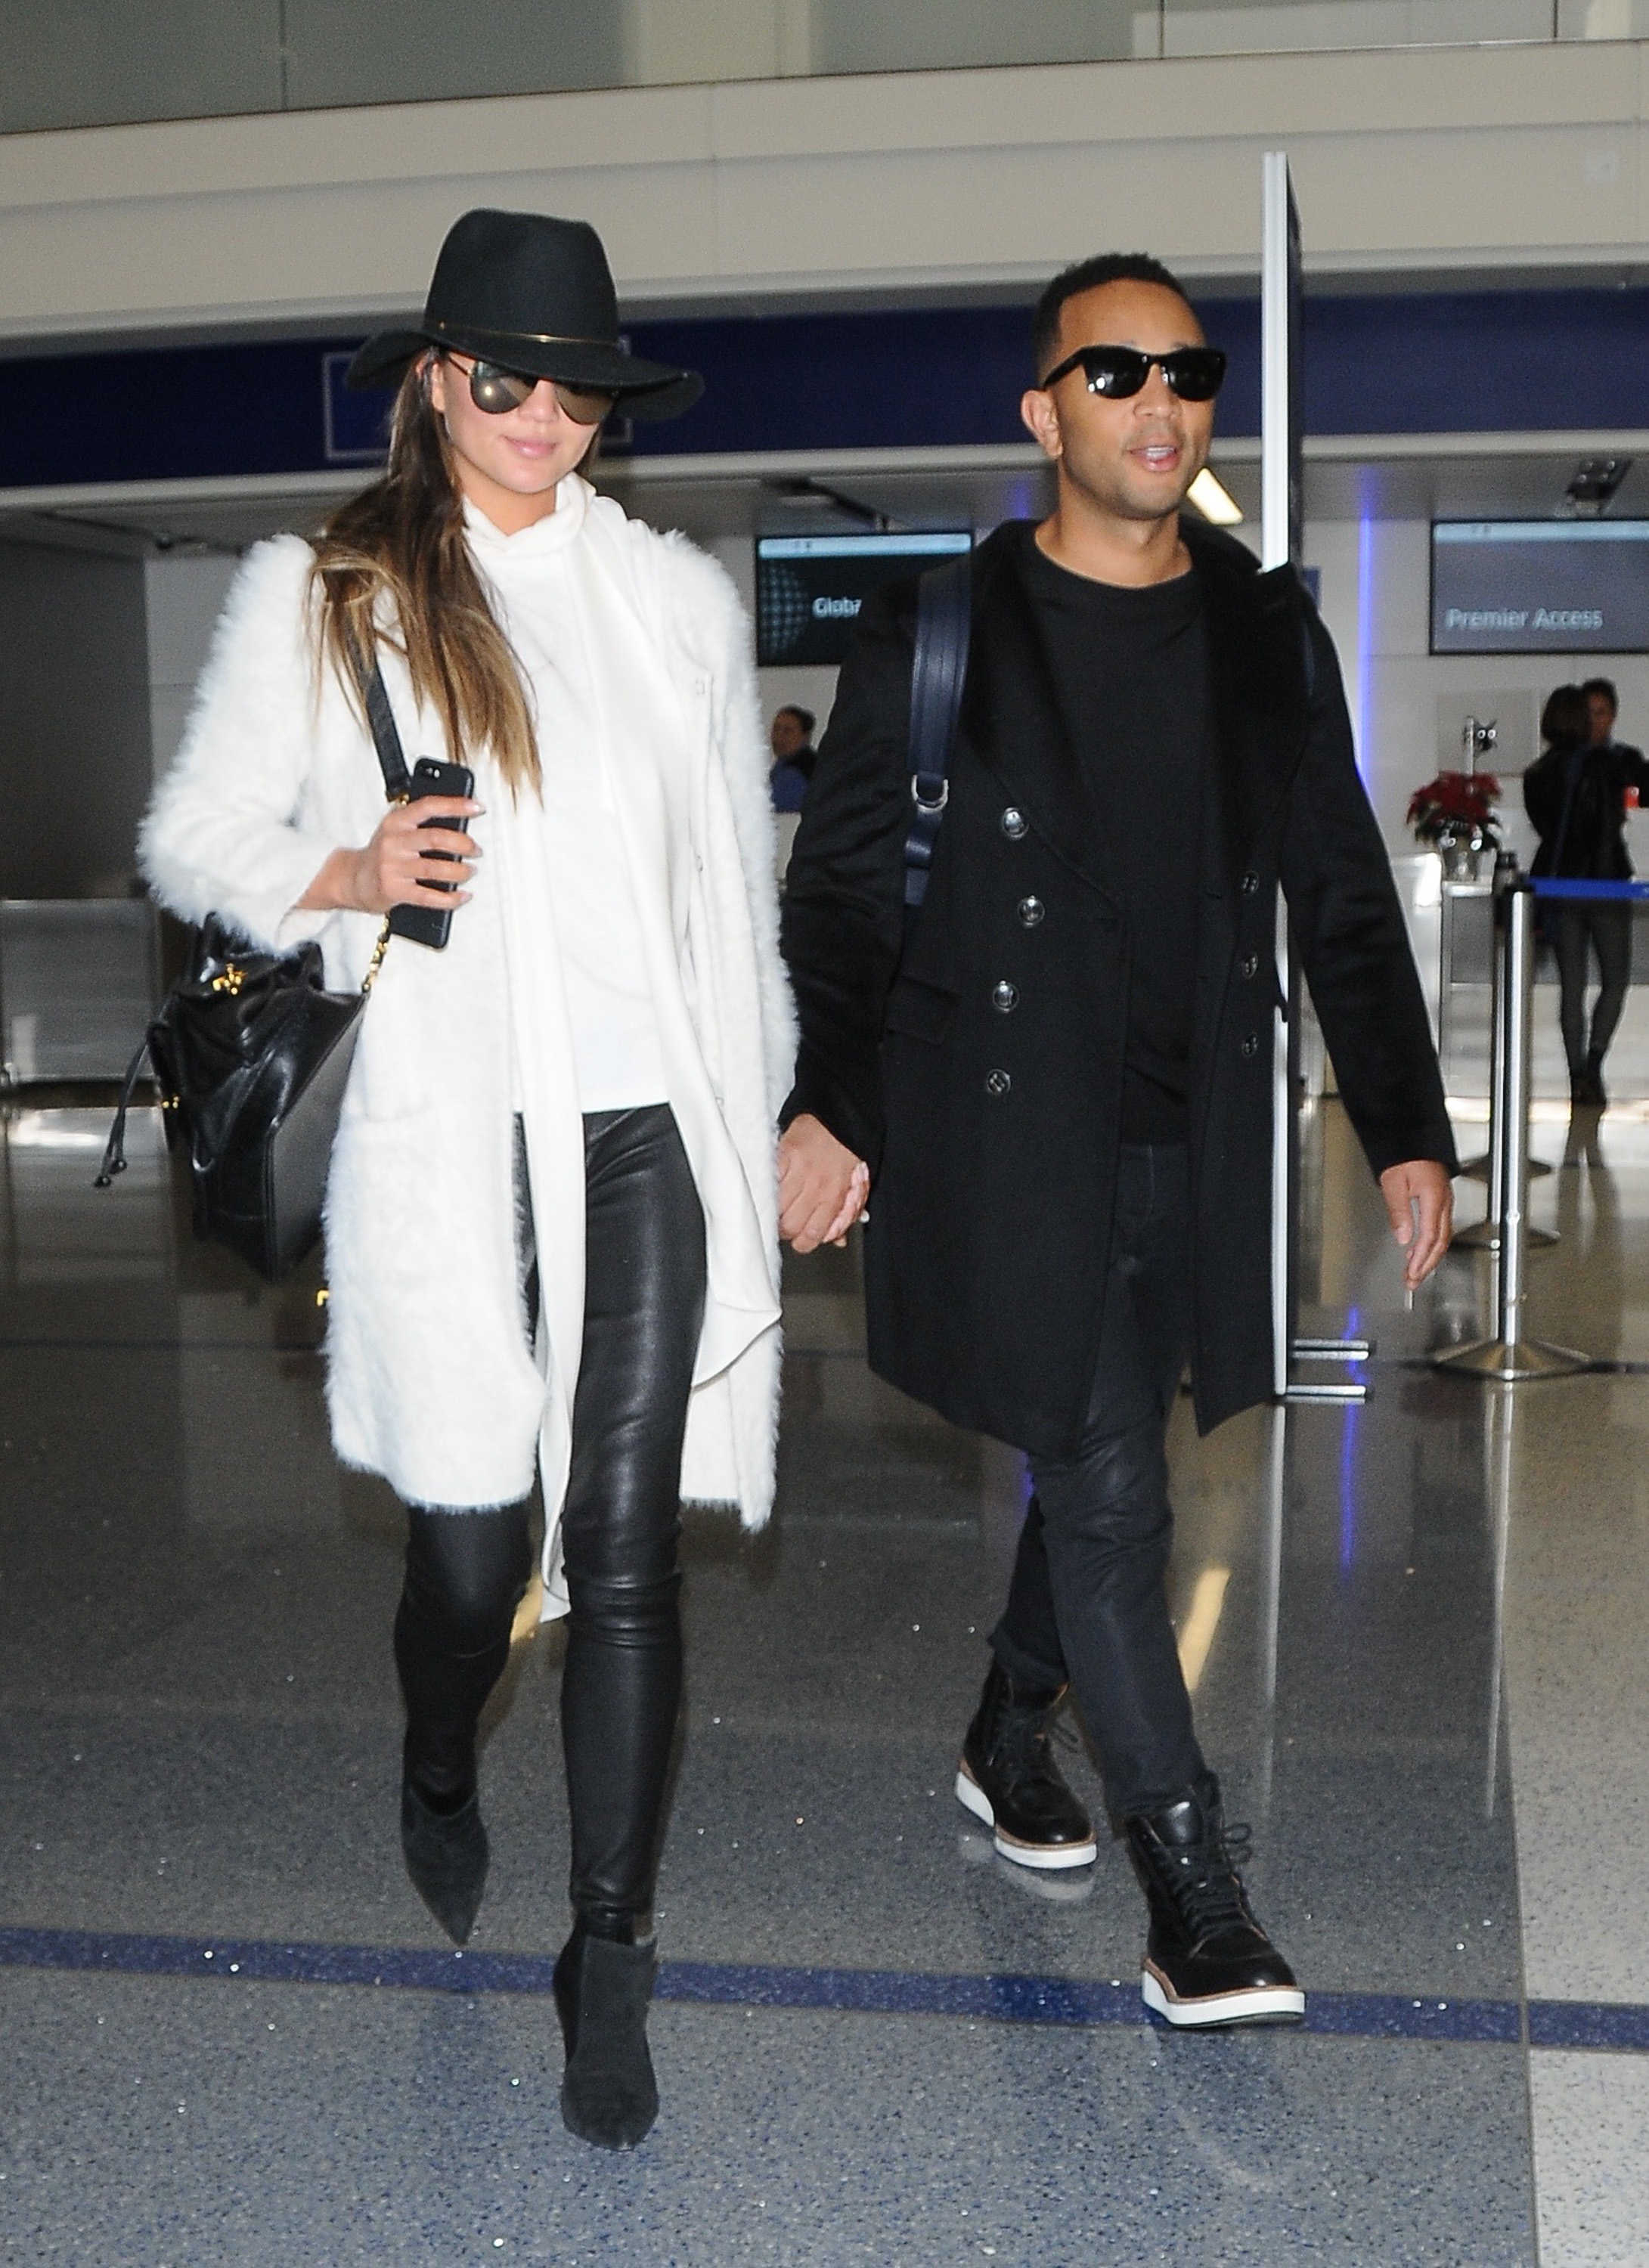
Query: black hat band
535	338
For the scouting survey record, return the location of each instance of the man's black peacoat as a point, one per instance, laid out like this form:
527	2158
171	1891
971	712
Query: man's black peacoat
977	1064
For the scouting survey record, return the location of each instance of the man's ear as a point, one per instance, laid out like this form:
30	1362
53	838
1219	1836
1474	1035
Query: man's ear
1042	420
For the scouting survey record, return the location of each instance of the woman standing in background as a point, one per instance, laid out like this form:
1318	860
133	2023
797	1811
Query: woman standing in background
551	1218
1575	795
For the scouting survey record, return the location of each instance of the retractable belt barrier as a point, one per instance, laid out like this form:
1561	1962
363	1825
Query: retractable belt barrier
1554	886
1509	1357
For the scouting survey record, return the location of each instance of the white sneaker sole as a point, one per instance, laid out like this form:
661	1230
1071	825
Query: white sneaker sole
1268	2004
1045	1857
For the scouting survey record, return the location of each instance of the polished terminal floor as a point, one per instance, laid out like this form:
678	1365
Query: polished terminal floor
230	2035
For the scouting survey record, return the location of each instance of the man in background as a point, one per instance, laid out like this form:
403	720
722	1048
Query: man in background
1603	707
794	756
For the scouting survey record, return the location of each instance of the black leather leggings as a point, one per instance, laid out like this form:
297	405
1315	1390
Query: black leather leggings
467	1571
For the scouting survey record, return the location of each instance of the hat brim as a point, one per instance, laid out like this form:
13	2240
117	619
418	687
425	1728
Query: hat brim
643	389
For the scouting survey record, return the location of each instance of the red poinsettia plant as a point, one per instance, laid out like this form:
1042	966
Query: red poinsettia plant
1457	803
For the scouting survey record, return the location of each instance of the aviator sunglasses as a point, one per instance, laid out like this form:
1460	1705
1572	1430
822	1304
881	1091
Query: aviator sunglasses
498	391
1191	374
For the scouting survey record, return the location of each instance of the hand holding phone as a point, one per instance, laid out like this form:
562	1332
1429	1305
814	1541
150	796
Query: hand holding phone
428	924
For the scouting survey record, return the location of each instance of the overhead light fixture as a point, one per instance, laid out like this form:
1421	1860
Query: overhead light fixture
817	495
1214	500
1594	482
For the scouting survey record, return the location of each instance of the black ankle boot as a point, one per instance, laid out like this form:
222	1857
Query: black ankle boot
446	1857
609	2095
1008	1777
1207	1959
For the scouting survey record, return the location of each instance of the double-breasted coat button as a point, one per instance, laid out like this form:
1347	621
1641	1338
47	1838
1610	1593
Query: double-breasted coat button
1031	911
998	1083
1004	997
1248	966
1251	1045
1250	884
1014	823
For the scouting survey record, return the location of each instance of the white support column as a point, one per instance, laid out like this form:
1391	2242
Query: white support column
1280	532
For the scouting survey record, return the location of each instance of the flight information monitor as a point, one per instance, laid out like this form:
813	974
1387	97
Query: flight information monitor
1539	586
809	588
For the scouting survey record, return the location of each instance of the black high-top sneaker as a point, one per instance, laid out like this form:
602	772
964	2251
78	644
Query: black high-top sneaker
1207	1959
1008	1776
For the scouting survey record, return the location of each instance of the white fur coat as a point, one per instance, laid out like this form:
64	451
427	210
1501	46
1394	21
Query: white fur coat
430	1380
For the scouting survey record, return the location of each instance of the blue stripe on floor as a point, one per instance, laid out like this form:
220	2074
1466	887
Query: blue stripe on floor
873	1992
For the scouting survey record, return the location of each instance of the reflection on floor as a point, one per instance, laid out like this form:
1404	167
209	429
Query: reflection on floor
1416	1629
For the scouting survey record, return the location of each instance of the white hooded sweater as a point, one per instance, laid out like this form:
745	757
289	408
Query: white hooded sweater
430	1379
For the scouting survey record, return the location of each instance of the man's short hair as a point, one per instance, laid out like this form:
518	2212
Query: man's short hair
1605	686
805	718
1089	275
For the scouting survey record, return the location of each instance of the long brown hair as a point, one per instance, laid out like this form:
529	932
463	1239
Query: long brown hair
403	539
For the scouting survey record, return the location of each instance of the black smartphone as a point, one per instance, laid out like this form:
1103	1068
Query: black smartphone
432	926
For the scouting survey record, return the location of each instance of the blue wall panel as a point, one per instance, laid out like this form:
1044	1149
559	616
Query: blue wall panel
1464	362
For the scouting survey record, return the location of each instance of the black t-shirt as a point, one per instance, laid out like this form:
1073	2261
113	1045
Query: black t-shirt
1131	670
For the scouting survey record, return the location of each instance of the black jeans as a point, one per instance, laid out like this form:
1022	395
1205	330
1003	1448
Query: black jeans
467	1571
1582	928
1088	1599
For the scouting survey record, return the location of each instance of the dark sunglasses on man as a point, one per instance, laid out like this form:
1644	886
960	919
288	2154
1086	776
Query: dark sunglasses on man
1191	374
498	391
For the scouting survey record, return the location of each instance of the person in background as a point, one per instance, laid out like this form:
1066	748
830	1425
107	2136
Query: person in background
793	756
1575	796
1603	703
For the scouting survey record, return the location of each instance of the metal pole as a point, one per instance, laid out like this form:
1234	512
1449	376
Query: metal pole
1508	1356
1498	1442
1485	1235
1270	1628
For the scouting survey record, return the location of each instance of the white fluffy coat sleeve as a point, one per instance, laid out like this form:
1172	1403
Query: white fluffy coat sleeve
225	832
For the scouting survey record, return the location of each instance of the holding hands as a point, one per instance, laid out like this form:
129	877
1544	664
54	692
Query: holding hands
822	1186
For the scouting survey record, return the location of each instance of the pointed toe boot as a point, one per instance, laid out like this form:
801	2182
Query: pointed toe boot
446	1856
609	2095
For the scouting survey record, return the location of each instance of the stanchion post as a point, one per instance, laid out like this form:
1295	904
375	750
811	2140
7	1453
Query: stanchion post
1485	1235
1508	1356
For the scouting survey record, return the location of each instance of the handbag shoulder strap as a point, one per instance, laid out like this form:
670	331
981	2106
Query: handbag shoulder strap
381	718
938	674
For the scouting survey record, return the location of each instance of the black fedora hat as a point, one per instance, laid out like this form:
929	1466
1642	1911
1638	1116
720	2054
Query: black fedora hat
535	294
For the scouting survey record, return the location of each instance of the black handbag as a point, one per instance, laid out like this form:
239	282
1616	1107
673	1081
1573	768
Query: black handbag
252	1054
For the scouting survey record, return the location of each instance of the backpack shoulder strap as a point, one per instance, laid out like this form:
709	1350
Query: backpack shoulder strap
939	672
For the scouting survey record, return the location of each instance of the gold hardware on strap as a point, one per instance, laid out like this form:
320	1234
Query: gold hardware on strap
322	1296
230	981
377	960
